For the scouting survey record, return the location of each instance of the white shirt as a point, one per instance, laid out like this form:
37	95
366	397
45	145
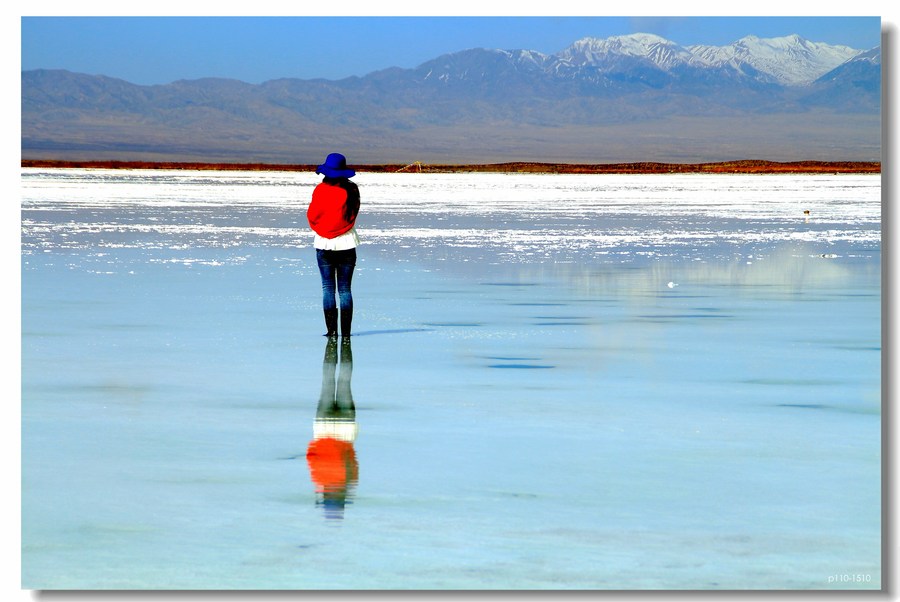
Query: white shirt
347	240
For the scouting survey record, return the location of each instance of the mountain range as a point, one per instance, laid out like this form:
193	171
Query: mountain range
637	97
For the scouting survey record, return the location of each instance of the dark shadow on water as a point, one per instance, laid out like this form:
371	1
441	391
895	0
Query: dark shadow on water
563	323
653	317
792	382
393	331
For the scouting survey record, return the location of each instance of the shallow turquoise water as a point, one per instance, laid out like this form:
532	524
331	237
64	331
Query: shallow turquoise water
697	422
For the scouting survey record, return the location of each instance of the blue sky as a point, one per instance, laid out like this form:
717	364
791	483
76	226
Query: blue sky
156	50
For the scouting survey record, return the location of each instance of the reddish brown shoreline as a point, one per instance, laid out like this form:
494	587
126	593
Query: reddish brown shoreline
761	167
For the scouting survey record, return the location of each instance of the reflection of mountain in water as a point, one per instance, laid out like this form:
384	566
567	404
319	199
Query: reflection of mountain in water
785	269
332	460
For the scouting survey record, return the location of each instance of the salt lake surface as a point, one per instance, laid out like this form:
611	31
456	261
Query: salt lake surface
556	382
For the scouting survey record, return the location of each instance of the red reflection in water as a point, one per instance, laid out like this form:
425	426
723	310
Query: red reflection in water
333	467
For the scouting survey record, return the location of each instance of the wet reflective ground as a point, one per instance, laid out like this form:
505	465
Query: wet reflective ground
705	420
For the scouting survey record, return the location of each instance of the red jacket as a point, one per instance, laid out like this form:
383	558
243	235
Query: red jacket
326	211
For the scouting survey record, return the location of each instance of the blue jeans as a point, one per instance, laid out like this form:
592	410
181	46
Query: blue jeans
336	268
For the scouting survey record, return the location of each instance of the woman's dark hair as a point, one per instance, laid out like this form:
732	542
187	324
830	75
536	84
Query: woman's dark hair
351	207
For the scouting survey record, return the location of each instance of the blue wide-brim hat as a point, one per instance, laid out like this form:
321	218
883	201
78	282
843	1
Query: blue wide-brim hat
335	166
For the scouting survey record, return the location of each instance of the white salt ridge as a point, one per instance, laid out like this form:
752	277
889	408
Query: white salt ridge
566	213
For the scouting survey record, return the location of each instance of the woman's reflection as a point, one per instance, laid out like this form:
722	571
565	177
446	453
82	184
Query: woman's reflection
330	455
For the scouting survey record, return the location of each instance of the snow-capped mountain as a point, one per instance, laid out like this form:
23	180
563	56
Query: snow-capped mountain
593	52
864	65
513	98
789	60
786	61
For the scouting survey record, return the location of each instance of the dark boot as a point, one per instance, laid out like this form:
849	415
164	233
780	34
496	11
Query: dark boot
331	322
346	319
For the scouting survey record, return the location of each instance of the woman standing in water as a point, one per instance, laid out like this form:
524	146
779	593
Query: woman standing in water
332	215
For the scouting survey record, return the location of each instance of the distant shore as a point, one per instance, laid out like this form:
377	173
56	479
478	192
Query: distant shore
745	167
